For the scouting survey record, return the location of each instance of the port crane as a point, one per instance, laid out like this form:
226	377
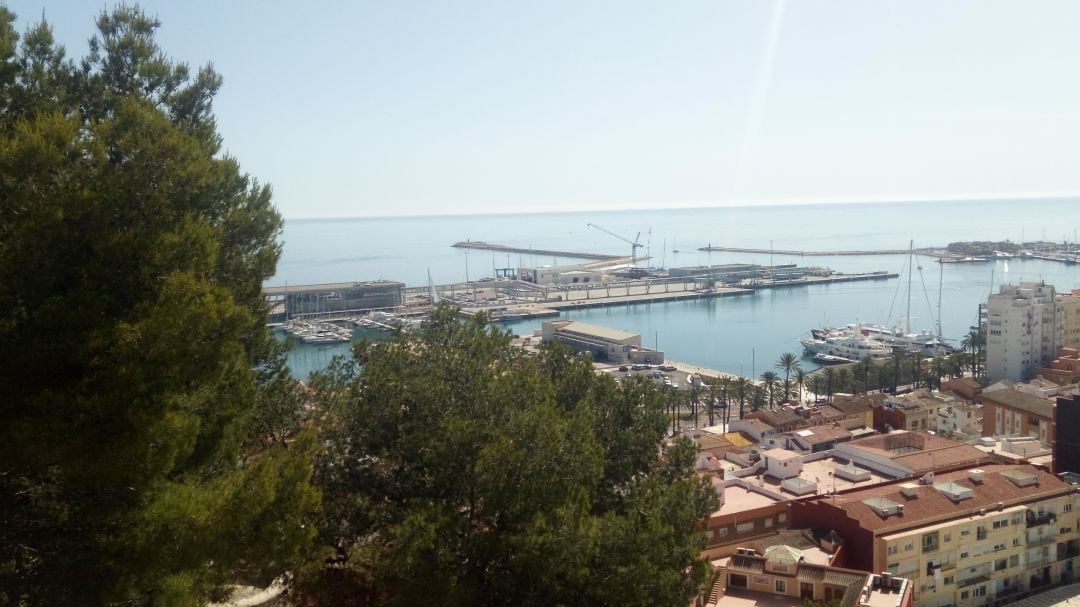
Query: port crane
634	244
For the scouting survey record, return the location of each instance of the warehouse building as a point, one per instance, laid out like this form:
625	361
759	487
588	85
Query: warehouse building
605	344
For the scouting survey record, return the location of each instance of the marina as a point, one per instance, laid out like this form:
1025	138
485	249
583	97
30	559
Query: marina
740	334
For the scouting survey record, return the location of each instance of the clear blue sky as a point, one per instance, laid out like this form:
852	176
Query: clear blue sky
399	107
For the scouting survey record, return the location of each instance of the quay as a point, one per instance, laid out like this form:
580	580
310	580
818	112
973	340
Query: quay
487	246
927	251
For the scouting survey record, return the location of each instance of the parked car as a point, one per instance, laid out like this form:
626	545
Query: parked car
624	368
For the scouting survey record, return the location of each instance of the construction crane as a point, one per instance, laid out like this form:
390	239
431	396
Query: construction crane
634	244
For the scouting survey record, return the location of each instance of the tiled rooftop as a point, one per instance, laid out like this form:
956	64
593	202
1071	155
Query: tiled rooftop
931	504
1015	399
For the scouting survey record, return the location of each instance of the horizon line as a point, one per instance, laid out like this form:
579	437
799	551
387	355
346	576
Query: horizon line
693	205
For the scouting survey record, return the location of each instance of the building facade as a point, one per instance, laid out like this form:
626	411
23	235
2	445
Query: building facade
964	538
1024	328
1009	412
605	344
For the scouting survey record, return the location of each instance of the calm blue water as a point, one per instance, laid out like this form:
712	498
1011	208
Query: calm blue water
737	334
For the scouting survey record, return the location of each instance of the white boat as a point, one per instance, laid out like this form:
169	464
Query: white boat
924	342
826	359
896	338
851	346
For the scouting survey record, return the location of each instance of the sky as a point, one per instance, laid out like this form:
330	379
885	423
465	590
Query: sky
413	108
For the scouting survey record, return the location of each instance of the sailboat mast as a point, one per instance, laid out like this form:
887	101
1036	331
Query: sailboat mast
911	255
940	282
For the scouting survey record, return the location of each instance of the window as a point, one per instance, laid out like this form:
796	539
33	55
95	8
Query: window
1067	507
949	580
1017	518
768	523
963	555
999	547
965	531
908	546
781	586
964	595
782	518
893	549
719	532
1001	522
1016	541
947	537
1000	564
1014	560
980	591
744	527
930	542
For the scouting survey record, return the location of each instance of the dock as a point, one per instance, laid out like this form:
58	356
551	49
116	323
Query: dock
487	246
927	251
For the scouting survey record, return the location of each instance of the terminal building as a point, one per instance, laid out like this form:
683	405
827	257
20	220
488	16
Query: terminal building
735	272
301	300
605	345
562	275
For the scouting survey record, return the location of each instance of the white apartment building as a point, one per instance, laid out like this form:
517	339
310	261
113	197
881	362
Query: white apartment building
1025	327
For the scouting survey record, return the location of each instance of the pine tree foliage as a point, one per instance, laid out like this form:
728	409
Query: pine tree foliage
459	470
145	457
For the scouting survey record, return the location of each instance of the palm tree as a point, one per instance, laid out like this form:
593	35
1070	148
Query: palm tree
742	389
862	368
937	369
787	363
845	381
694	396
830	381
817	385
768	384
800	381
757	397
917	369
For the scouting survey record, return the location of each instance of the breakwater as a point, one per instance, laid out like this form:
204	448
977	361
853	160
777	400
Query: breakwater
927	251
488	246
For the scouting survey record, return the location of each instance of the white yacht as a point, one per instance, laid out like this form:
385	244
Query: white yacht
924	342
851	346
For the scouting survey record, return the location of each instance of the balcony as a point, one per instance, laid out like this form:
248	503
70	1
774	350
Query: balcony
1042	561
1009	591
971	581
1034	520
1040	540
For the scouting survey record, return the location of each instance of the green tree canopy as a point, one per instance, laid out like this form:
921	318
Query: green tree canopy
141	460
461	471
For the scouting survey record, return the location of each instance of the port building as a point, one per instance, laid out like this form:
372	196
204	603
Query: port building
605	344
580	274
293	301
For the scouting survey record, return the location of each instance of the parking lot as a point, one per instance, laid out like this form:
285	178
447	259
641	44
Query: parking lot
657	373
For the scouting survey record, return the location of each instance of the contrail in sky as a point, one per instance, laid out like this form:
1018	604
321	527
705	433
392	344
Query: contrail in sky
760	95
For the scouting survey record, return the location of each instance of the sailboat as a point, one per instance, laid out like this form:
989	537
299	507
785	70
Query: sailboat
899	338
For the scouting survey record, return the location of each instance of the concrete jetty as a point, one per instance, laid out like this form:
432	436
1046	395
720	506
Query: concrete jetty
487	246
927	251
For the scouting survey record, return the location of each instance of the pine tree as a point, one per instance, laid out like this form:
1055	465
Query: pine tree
460	471
141	457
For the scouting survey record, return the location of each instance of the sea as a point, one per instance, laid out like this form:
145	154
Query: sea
744	334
